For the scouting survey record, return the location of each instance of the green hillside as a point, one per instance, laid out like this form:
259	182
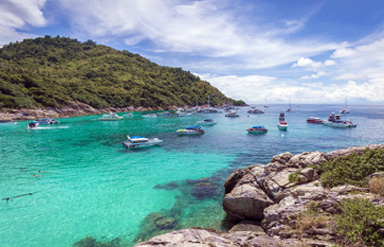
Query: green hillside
48	72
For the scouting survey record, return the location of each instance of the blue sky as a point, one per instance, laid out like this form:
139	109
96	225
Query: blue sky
261	51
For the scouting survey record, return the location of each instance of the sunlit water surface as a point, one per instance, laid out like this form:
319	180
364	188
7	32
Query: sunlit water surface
89	185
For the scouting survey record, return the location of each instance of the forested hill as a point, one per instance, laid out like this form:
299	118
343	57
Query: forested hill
48	72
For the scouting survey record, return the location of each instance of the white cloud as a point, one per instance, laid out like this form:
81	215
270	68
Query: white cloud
17	14
364	62
314	85
312	65
264	89
314	76
210	29
342	52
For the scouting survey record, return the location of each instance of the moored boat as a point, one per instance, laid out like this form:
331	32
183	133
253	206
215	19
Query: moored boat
150	115
335	121
45	121
206	122
110	117
344	110
232	113
257	129
255	110
282	125
315	120
140	141
193	130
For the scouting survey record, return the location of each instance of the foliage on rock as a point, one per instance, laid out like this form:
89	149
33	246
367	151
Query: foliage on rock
352	169
359	222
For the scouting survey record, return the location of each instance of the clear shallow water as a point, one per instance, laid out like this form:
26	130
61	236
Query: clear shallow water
91	186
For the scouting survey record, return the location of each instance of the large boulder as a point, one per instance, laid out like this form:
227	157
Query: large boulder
246	201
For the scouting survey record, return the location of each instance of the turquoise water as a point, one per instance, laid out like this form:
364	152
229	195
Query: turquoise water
89	185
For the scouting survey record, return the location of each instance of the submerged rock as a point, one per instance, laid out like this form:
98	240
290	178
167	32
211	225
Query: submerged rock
204	190
92	242
154	224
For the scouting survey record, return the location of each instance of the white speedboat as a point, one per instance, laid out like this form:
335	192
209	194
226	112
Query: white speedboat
282	125
140	141
110	117
344	124
193	130
45	121
150	115
183	114
206	122
257	129
232	113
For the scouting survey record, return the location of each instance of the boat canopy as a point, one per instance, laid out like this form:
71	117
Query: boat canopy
136	137
258	126
208	120
193	127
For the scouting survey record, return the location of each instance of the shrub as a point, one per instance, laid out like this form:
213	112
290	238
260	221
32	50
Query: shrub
376	185
352	169
294	177
357	221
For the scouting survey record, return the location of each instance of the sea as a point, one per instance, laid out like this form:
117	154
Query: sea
74	184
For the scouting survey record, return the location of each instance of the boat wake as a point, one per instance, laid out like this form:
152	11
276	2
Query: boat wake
49	128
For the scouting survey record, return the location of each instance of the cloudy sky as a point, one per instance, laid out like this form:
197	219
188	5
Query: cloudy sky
261	51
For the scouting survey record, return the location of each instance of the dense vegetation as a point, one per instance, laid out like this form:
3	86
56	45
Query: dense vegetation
48	72
359	222
352	169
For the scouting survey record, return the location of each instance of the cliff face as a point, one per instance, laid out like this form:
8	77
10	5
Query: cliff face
276	208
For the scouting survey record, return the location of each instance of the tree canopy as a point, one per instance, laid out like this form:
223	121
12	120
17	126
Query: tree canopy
48	72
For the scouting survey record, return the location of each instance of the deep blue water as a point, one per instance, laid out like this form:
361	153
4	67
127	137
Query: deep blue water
90	185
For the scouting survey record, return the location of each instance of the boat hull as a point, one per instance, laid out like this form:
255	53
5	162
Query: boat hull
282	127
149	143
315	120
189	132
339	125
111	119
257	132
206	123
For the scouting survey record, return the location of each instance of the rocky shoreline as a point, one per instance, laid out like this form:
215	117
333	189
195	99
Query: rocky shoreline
72	109
271	210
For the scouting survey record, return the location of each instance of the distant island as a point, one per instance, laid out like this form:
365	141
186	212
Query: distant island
56	73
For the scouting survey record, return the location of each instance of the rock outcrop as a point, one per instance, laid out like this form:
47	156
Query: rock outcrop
71	109
279	204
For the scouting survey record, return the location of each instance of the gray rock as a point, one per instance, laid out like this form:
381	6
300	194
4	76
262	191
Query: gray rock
207	238
246	201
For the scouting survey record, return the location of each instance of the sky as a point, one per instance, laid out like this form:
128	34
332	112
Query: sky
259	51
